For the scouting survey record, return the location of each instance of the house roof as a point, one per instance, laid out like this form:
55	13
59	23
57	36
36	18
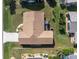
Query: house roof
46	34
33	29
32	23
70	1
73	22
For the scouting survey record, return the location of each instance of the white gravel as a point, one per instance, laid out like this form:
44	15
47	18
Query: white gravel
10	37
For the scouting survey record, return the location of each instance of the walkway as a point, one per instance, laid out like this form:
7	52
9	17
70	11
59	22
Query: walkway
10	37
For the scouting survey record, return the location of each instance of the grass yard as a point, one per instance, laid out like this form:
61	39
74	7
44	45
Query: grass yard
7	48
14	49
10	22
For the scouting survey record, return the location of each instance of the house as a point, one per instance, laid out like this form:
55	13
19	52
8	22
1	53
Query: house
71	25
33	32
68	2
72	22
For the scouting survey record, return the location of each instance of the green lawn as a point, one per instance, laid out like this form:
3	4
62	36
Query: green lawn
6	19
7	48
14	49
11	22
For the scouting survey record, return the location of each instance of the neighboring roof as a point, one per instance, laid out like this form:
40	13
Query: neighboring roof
76	37
70	1
67	1
72	56
73	22
73	27
73	16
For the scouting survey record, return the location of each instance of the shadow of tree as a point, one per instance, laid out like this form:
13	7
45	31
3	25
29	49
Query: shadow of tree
33	6
62	6
75	45
52	3
12	7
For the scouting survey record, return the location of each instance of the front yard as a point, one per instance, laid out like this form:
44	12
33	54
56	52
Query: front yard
14	49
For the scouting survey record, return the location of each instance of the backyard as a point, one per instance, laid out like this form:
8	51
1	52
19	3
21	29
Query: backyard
11	21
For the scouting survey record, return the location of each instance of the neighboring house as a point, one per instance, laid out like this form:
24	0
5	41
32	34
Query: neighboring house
33	32
72	56
68	2
71	25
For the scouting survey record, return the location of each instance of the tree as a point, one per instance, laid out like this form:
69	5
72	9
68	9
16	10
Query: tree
56	57
50	57
62	29
12	6
53	57
52	3
62	24
68	51
62	19
6	2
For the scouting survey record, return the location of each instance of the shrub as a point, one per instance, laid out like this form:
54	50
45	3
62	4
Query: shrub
54	57
6	2
12	6
50	57
68	51
62	29
62	23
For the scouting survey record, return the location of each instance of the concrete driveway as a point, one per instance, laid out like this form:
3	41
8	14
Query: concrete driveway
10	37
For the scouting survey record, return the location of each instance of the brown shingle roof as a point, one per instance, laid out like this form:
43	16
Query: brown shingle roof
33	29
